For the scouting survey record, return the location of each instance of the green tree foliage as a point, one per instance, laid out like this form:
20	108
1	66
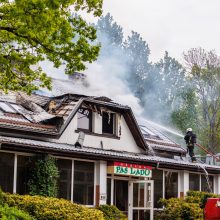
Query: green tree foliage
186	115
139	67
164	89
204	76
109	30
37	30
44	177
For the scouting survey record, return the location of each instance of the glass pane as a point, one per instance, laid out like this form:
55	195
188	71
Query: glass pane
64	182
84	119
18	108
83	189
6	108
157	176
142	195
109	191
204	185
171	184
23	174
141	214
121	195
194	182
6	171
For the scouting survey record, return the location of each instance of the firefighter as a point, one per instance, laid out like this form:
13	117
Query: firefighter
190	139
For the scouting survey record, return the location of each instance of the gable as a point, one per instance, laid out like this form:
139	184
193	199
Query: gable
122	140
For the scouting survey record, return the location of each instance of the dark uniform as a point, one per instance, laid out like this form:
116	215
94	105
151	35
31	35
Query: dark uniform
190	139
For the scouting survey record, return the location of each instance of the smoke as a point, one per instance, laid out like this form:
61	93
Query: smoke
107	77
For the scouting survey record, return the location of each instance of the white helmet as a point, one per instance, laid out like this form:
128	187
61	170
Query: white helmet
189	129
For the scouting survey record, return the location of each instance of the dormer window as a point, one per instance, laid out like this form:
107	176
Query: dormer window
108	123
84	119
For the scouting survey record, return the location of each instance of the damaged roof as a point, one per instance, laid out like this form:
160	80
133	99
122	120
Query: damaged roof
50	116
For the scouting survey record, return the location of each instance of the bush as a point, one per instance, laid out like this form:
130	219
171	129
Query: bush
176	209
189	208
200	197
13	213
43	180
47	208
111	212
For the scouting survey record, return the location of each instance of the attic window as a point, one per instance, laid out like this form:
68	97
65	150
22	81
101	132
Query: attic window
108	123
84	119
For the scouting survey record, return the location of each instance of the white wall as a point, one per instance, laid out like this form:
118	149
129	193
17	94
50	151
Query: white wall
125	143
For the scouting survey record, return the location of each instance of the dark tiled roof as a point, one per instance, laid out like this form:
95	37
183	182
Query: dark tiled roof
104	154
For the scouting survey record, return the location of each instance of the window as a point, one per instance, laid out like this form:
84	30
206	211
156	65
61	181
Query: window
84	119
6	107
204	184
83	189
108	123
24	166
157	176
121	195
6	172
171	184
64	181
194	182
108	191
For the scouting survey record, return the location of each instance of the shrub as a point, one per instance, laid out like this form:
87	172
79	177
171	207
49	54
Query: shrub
111	212
47	208
200	197
176	209
13	213
44	176
189	208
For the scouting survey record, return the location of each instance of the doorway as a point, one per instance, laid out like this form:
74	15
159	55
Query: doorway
132	196
121	195
141	200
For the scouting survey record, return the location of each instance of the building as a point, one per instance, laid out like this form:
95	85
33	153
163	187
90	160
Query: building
115	160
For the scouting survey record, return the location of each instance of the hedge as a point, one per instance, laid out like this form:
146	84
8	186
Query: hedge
111	212
189	208
12	213
46	208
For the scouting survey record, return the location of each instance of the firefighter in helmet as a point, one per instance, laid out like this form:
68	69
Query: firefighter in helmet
190	139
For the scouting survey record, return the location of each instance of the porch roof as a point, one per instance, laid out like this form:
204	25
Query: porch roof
67	150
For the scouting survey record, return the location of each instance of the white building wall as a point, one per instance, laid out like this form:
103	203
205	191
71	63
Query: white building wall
125	143
217	183
183	183
101	181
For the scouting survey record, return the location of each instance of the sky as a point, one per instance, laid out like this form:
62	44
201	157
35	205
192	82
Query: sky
171	25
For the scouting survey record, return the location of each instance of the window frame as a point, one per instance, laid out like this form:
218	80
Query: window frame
90	120
114	130
200	179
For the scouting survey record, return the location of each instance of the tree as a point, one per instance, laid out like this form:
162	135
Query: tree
204	74
163	90
185	114
110	35
137	52
36	30
107	28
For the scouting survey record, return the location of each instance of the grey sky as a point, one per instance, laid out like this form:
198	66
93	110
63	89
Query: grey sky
171	25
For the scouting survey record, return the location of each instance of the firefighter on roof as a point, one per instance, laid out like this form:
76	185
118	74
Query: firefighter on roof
190	139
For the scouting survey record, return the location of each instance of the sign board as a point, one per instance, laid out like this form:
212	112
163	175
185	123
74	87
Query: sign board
129	169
